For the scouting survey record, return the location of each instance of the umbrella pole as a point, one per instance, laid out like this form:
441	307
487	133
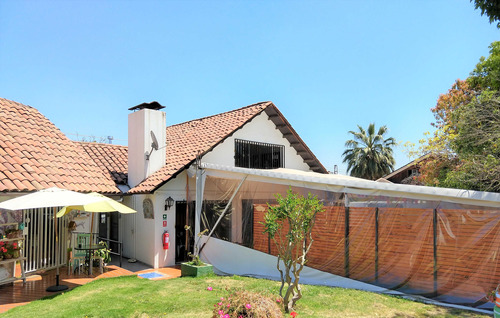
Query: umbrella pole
56	287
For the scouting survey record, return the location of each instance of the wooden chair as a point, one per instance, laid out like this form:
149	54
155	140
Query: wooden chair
78	256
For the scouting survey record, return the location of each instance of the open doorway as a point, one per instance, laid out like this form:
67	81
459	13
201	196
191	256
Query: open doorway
184	215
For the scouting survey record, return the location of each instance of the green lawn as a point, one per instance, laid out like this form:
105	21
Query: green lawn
188	297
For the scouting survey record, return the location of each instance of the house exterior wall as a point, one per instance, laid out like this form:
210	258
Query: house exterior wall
127	228
142	238
260	129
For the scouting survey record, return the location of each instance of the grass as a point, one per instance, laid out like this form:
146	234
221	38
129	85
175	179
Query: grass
130	296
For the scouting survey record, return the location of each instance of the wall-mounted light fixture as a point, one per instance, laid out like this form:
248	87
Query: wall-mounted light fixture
169	202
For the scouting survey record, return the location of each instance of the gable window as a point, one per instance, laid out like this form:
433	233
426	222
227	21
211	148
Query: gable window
258	155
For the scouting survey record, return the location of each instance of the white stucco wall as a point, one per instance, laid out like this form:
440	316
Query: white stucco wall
260	129
142	238
176	189
138	236
127	229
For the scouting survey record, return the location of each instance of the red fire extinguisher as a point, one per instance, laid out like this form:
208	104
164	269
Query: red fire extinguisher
166	240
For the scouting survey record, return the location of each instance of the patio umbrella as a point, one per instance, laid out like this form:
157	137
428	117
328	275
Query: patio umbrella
104	205
50	198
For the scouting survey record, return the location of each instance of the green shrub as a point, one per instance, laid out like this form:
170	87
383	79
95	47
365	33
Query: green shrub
243	304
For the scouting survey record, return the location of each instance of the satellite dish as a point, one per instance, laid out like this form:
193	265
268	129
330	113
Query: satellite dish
154	144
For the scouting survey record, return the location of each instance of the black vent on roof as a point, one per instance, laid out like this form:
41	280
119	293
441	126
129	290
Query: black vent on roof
153	105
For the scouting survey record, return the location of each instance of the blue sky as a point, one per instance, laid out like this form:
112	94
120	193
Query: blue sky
327	65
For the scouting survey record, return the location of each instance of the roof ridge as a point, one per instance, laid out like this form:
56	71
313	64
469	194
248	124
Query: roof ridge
227	112
98	143
19	103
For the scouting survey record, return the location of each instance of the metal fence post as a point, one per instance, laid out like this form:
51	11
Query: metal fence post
346	241
376	244
434	226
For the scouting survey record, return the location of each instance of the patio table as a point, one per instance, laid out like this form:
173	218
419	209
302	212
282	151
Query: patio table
89	251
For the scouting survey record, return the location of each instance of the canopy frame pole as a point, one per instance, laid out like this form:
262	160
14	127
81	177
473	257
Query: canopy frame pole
198	202
224	212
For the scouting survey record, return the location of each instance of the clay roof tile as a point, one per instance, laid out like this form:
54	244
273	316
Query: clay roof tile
30	142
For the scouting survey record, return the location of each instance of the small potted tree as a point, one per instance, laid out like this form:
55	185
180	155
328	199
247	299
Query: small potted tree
196	267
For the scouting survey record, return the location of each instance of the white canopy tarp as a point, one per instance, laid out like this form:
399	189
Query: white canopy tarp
347	184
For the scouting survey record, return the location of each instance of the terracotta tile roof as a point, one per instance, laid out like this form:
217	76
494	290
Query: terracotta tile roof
35	154
112	159
200	136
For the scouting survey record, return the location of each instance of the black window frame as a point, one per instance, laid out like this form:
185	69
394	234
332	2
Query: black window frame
258	155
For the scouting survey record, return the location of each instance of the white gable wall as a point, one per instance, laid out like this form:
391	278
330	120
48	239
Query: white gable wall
260	129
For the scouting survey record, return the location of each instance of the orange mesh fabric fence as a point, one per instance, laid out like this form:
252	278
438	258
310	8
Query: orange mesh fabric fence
406	250
446	251
362	244
468	248
451	255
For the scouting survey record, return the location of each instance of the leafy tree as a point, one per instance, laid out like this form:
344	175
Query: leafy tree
459	94
289	224
442	158
489	7
486	75
369	155
478	145
464	151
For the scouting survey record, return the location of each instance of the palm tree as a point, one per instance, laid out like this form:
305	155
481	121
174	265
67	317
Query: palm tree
369	156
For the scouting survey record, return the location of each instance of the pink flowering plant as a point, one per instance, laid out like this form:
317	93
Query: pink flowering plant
9	250
244	304
3	250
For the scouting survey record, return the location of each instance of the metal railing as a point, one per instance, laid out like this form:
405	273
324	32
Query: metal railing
115	247
119	246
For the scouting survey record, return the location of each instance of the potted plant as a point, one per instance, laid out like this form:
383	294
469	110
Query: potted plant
494	297
14	250
3	250
102	253
196	267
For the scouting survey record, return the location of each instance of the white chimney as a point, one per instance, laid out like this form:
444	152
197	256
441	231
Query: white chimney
143	159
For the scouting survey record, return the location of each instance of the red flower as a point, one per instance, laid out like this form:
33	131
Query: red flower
293	314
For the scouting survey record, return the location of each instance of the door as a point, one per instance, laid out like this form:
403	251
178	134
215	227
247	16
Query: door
108	228
184	215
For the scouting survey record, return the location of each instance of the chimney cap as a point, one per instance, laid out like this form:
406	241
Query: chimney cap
153	105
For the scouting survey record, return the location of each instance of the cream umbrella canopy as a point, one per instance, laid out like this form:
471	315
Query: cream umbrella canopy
104	204
50	198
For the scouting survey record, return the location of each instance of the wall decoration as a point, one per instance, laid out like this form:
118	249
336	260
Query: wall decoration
147	209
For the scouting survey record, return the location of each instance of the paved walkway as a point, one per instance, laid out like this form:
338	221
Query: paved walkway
17	293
